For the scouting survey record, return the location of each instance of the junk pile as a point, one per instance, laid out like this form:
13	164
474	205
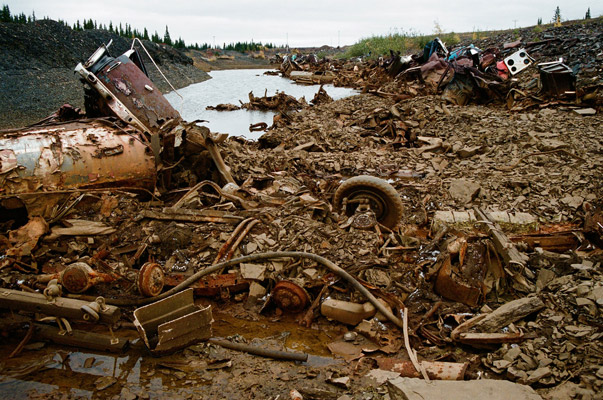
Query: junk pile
441	242
484	72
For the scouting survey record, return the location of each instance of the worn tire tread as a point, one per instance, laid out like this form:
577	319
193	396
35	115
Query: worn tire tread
395	208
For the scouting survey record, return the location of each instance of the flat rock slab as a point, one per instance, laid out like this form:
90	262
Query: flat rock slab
419	389
512	222
463	190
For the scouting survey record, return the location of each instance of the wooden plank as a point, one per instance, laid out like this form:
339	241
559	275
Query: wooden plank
491	389
60	307
81	339
559	242
503	245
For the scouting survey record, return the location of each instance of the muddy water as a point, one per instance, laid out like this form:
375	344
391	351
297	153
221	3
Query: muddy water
87	374
230	86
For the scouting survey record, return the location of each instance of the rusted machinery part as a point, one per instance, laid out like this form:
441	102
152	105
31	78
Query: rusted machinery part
79	277
267	256
76	278
258	351
382	198
150	279
290	296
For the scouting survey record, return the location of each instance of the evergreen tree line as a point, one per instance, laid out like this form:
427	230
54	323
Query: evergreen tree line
5	16
128	32
245	46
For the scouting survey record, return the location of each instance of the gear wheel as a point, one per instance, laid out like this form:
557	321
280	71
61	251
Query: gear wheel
382	198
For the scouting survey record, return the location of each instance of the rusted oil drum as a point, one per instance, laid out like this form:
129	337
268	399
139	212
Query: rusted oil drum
83	154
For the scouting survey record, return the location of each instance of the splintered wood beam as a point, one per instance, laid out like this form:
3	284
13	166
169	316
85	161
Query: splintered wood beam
503	245
58	307
81	339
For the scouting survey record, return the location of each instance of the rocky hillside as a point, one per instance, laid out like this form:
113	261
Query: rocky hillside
37	62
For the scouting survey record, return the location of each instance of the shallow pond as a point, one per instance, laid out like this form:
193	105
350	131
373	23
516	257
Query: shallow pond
230	86
46	371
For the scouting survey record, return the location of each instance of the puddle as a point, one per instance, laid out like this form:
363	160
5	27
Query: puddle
57	369
230	86
292	336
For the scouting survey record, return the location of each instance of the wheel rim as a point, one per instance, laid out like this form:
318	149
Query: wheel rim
376	202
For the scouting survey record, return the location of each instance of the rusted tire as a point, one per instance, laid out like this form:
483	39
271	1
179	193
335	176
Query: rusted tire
382	197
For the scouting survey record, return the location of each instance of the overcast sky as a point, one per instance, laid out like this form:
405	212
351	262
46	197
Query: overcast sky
304	22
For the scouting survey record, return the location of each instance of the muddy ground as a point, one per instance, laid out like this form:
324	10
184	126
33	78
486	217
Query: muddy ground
540	164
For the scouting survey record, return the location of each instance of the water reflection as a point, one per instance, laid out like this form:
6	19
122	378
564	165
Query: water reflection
52	370
230	86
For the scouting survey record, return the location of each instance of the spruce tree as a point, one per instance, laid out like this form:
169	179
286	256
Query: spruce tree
166	37
5	15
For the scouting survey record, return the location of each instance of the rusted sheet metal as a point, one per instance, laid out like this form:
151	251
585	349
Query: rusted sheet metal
556	78
173	323
83	154
137	92
450	285
128	92
211	285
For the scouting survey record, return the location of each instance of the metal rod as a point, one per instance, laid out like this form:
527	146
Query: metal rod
258	351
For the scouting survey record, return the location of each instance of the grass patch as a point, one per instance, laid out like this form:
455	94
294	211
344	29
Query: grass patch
376	46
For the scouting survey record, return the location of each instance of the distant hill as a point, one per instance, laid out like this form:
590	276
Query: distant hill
37	61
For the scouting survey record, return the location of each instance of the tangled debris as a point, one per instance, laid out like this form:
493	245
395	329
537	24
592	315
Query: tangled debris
428	237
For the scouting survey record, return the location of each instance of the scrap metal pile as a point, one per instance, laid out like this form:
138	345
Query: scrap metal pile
481	73
450	241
